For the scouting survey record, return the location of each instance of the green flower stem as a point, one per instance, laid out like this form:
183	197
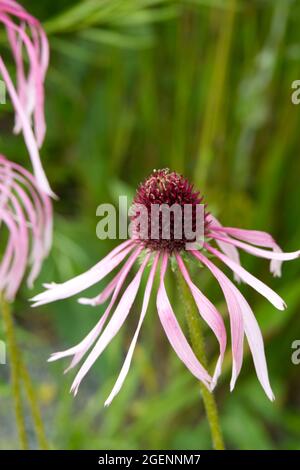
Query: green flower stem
15	372
197	340
34	408
19	372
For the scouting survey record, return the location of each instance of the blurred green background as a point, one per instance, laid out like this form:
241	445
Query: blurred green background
202	87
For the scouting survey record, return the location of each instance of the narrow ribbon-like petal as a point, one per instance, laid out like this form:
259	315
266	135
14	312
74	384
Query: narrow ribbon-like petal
235	315
28	134
113	326
258	238
80	349
126	366
276	255
104	295
27	31
13	279
210	315
85	280
236	301
258	285
31	213
227	249
174	332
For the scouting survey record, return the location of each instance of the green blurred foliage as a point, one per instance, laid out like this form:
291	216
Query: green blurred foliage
202	87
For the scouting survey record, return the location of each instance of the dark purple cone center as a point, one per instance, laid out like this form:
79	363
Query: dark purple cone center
164	187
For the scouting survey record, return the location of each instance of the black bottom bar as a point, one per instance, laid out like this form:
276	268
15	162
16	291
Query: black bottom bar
132	459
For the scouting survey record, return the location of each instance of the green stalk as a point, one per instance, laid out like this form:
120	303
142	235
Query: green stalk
34	408
15	365
19	373
197	340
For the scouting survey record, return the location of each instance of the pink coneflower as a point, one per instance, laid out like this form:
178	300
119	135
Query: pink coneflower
166	187
26	227
26	37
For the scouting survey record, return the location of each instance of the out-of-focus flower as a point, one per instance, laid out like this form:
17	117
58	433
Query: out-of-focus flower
26	227
166	187
26	38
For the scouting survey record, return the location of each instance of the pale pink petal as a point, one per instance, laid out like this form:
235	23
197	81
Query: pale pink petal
85	280
11	247
42	203
104	295
210	315
258	238
23	203
113	326
16	47
13	277
30	90
228	250
174	332
37	246
28	134
126	366
235	315
258	285
236	301
256	344
275	265
7	258
276	255
80	349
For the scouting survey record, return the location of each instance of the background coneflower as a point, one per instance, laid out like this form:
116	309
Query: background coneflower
27	38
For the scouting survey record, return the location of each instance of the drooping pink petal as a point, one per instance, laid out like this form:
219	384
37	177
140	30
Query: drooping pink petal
104	295
13	279
10	261
126	366
174	332
210	315
30	88
28	134
7	256
41	202
113	326
227	249
85	280
238	305
80	349
276	255
235	315
37	251
29	236
255	237
258	285
256	344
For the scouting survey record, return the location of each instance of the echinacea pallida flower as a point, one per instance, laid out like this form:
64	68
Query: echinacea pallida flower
26	38
166	187
26	227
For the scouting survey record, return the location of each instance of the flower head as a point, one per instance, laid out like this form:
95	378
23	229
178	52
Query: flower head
164	187
26	227
26	37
